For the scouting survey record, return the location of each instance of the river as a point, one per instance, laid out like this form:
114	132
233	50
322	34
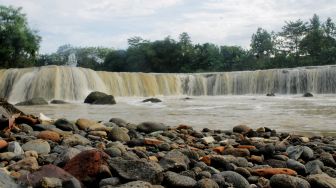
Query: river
288	113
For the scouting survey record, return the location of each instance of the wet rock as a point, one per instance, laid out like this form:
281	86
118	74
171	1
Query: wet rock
294	152
118	121
321	181
287	181
56	101
237	152
86	124
33	101
66	156
327	159
113	181
65	125
270	94
97	97
15	148
173	179
28	163
175	160
136	184
276	163
241	129
206	183
7	181
307	153
118	134
152	100
235	179
297	166
268	172
39	145
50	171
49	135
137	170
95	165
314	167
75	139
149	127
307	95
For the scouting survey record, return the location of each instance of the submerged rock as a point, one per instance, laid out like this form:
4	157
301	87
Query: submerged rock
97	97
55	101
308	95
33	101
152	100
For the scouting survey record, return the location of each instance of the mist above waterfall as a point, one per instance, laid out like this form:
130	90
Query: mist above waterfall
74	83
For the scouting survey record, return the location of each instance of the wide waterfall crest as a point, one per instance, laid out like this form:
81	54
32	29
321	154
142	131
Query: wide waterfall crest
75	83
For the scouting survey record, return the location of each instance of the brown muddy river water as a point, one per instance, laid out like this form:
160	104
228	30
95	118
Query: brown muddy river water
288	113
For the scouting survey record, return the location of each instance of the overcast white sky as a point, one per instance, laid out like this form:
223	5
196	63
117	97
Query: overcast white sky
111	22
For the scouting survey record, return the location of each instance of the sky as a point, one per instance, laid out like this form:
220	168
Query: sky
109	23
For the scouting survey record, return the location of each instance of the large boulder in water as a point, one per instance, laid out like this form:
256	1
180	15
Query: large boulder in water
97	97
308	95
33	101
152	100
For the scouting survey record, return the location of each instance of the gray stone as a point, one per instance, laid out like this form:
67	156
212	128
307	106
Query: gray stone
294	152
149	127
66	155
152	100
314	167
38	145
307	153
287	181
118	134
236	179
65	125
7	181
118	121
7	156
75	139
136	184
174	160
297	166
113	181
15	148
321	181
327	159
206	183
176	180
113	152
137	170
330	171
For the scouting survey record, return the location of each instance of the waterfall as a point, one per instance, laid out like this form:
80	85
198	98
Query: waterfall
75	83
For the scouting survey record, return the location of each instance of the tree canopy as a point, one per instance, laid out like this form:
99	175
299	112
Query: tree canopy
299	43
19	43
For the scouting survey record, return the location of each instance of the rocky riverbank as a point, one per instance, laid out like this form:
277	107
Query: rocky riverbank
41	152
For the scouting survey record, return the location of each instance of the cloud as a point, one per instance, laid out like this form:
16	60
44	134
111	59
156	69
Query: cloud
110	22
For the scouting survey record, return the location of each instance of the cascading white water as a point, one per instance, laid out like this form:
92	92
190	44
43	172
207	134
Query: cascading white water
74	83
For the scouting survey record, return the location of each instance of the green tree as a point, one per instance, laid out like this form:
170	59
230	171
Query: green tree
261	43
19	43
292	35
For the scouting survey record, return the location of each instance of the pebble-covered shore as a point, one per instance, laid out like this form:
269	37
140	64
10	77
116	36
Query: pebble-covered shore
39	152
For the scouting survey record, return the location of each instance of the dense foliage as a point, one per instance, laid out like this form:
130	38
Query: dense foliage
299	43
19	44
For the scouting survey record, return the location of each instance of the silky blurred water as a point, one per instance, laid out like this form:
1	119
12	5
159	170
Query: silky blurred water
288	113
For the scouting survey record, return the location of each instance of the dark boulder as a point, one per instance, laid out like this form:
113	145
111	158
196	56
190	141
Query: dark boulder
308	95
33	101
56	101
152	100
270	94
97	97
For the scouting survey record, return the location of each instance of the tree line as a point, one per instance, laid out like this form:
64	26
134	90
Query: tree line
299	43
